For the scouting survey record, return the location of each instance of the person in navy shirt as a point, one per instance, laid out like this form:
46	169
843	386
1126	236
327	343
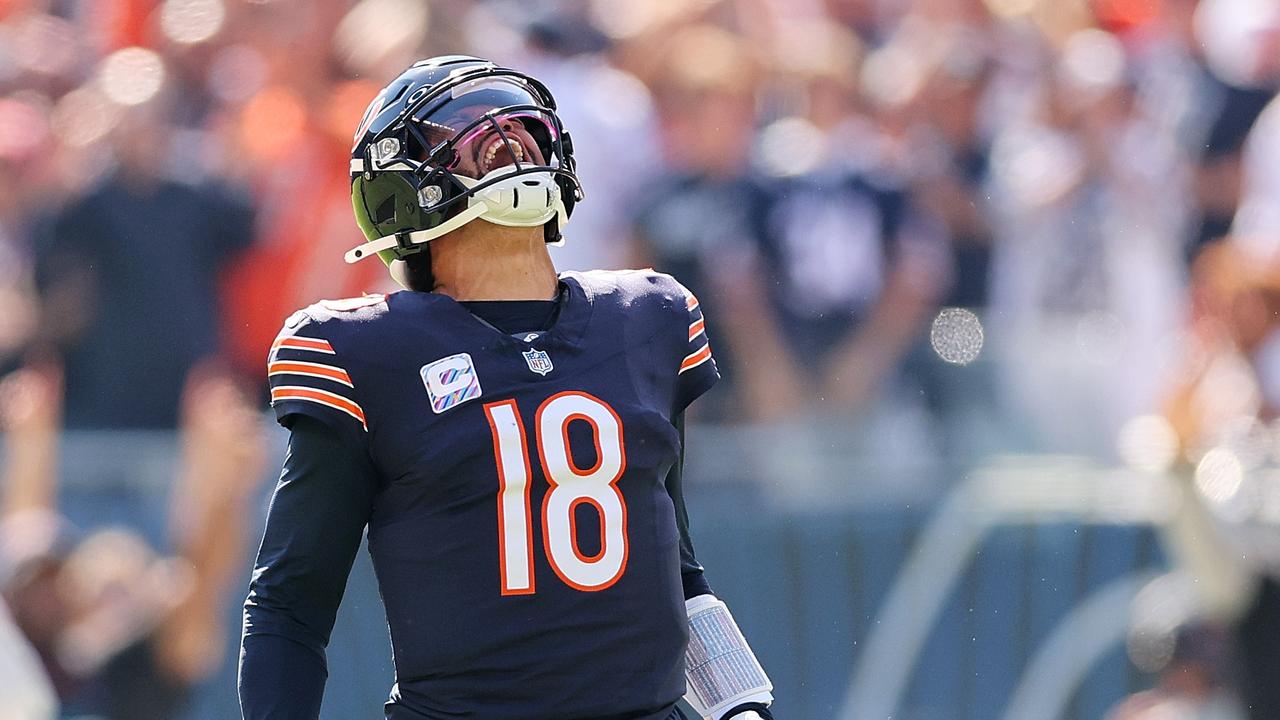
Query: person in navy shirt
510	438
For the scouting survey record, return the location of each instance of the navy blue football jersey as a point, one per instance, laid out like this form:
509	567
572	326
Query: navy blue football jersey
525	546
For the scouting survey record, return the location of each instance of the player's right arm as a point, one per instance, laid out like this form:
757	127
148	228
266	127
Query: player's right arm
318	514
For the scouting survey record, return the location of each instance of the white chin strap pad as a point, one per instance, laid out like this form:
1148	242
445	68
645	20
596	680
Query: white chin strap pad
528	200
720	669
518	201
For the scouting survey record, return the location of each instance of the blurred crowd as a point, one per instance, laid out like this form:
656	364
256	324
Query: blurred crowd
935	227
834	178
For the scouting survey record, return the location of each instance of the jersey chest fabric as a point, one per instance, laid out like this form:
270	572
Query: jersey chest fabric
525	544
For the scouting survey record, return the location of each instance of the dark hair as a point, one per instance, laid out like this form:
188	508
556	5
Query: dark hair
418	271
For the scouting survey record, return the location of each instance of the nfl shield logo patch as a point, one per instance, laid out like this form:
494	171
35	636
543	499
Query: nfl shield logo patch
539	361
450	381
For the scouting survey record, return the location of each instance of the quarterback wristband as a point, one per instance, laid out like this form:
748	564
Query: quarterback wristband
720	670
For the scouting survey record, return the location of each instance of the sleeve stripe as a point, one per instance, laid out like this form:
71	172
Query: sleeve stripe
320	397
695	359
691	303
301	343
696	328
309	369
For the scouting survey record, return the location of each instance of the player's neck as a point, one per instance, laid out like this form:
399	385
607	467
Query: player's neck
483	261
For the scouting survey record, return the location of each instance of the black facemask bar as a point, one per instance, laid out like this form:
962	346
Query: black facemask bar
440	156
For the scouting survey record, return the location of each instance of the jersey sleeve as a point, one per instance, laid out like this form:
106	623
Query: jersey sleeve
698	370
309	377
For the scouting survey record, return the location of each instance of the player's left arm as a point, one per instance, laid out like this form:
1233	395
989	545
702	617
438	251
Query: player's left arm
725	680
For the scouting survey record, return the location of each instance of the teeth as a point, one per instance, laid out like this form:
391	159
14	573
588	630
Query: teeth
491	153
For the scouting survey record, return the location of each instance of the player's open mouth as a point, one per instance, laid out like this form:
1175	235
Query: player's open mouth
501	152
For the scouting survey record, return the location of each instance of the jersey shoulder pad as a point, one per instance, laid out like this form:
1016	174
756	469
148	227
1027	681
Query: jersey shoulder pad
696	367
636	286
308	366
344	310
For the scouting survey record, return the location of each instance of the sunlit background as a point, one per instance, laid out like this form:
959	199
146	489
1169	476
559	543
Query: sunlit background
994	286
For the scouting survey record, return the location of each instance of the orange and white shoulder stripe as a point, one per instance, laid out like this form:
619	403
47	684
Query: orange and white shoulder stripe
319	397
305	344
697	337
310	369
696	328
696	358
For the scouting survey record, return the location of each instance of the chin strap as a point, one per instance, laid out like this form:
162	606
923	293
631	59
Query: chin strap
418	237
525	200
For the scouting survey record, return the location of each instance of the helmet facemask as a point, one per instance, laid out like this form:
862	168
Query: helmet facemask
483	145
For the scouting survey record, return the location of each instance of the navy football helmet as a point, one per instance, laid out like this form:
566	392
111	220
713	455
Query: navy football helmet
455	139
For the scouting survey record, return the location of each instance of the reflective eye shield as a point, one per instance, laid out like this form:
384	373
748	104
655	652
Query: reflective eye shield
436	167
449	108
445	142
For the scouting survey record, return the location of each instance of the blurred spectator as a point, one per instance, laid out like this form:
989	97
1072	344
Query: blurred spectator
17	294
1231	366
292	132
123	632
614	132
128	274
700	219
27	692
848	270
951	154
1194	685
1259	213
1090	195
1239	55
1228	388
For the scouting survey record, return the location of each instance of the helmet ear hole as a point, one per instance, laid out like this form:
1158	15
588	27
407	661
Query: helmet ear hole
386	211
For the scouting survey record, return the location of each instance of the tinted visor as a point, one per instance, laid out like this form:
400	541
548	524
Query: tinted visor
466	115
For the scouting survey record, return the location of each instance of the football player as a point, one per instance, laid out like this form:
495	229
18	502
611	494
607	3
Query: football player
512	440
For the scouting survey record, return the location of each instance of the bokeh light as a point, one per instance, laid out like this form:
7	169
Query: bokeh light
621	20
84	116
236	73
23	125
1158	610
346	104
45	44
1121	15
192	21
957	336
272	122
1036	166
131	76
1219	475
1101	338
1148	443
1010	8
375	29
1233	35
1093	61
892	75
791	146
